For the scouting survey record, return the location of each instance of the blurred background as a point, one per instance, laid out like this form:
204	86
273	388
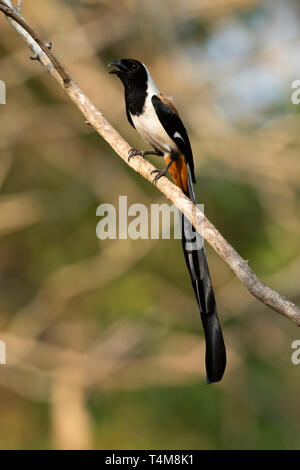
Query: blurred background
104	342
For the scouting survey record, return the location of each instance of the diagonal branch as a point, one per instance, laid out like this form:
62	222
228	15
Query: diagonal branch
239	266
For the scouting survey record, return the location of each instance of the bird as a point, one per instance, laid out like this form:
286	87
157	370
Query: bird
157	120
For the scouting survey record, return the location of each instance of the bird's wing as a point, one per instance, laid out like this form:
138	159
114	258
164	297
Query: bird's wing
171	122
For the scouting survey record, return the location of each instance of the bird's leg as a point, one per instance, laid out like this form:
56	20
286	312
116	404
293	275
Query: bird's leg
160	173
133	152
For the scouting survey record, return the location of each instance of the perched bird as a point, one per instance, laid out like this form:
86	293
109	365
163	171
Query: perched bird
156	119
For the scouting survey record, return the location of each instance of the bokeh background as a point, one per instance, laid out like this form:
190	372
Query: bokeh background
104	341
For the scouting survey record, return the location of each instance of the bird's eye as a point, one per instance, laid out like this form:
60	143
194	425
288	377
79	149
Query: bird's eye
134	66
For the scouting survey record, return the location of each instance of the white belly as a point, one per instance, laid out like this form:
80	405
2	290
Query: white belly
151	130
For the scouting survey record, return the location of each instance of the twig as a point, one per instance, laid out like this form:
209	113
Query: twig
19	7
14	15
238	265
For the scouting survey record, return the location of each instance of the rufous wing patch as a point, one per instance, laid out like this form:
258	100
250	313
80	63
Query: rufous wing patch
168	102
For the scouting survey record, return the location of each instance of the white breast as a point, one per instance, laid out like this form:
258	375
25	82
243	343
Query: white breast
151	130
148	125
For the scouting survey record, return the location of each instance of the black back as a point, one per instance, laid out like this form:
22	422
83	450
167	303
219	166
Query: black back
172	125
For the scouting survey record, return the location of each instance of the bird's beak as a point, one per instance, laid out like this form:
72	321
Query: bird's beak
119	64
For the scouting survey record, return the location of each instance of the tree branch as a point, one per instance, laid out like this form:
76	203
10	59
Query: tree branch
13	14
93	116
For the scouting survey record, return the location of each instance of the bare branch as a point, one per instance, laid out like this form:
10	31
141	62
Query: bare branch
92	115
15	17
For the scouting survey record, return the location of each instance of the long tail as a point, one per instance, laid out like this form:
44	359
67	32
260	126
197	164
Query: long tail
195	258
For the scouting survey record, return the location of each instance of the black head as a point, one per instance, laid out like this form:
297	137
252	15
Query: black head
131	72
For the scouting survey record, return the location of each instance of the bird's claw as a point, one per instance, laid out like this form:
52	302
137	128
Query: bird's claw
134	152
159	174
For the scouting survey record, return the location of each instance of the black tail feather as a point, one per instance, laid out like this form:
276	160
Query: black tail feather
195	258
